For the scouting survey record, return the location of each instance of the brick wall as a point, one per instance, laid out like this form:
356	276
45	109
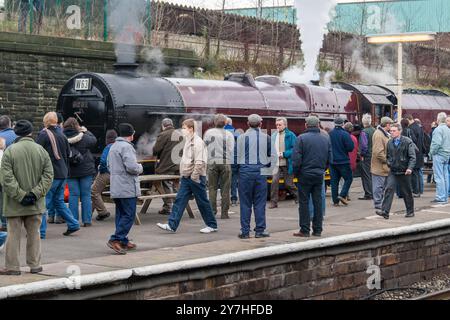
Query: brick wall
337	276
33	70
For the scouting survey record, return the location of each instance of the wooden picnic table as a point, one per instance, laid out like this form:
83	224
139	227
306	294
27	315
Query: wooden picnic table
158	192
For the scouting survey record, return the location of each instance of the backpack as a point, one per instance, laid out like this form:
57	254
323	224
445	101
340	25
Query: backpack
75	156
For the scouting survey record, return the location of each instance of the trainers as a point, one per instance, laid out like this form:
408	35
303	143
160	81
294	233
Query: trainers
69	232
416	195
263	234
103	216
344	201
438	202
233	203
116	246
410	215
382	214
165	227
208	230
36	270
244	236
273	205
51	220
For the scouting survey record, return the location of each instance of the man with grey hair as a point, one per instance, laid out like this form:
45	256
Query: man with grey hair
440	154
254	158
220	143
166	141
283	141
365	150
311	157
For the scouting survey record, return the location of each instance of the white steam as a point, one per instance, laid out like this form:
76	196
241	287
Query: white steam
313	17
126	23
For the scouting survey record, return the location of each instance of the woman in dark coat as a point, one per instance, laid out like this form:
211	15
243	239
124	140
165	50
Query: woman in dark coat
82	169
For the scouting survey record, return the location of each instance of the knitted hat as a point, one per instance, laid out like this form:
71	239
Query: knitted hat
23	128
339	122
126	130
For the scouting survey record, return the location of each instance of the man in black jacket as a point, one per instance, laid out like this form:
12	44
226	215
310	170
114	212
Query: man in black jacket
311	157
401	159
417	135
57	146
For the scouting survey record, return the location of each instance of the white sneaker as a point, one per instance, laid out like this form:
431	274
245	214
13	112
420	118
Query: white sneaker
208	230
165	227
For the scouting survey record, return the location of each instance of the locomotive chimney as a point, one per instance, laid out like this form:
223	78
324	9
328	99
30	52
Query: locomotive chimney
129	69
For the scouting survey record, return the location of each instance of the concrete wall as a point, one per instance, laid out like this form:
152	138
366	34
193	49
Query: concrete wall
33	70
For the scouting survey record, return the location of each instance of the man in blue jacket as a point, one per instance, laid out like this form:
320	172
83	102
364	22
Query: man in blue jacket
254	158
311	156
6	131
283	141
341	144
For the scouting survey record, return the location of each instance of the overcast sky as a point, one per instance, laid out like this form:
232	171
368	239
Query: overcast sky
215	4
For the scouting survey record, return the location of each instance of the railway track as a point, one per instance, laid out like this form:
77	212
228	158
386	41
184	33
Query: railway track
439	295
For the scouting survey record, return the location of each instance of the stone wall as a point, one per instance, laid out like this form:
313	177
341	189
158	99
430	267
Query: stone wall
337	276
33	70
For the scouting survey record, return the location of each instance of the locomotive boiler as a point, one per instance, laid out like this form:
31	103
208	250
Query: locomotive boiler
103	101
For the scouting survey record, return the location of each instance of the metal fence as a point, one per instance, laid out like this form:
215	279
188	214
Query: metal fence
82	19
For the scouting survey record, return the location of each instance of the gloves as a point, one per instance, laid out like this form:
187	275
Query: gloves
29	200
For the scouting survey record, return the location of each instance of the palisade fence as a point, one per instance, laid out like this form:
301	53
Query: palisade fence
81	19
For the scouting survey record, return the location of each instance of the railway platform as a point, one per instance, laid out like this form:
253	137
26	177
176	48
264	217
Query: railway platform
356	244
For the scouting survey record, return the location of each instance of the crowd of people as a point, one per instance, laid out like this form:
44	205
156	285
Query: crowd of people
34	174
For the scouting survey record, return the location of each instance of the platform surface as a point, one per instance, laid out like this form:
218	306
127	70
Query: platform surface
87	250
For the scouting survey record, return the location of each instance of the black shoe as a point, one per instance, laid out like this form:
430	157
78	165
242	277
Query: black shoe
36	270
59	220
416	195
243	236
365	198
51	220
301	235
317	234
87	225
103	216
263	234
410	215
9	273
69	232
382	214
233	203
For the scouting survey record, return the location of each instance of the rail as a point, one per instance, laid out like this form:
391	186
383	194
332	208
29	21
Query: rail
439	295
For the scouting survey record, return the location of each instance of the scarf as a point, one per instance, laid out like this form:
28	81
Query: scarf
52	139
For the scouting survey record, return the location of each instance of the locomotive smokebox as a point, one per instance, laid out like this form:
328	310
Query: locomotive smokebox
129	69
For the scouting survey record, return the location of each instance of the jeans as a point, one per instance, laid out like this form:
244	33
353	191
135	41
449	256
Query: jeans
324	204
404	183
378	186
415	181
337	172
125	216
55	203
3	236
80	188
234	182
43	229
421	182
440	169
312	189
252	195
189	187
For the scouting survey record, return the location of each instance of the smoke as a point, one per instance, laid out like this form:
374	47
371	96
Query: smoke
155	65
313	17
382	73
328	78
126	23
145	145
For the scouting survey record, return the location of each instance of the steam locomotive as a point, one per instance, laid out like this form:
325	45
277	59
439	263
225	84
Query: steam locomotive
103	101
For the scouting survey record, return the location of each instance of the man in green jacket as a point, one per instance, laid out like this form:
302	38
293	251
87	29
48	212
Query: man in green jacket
26	177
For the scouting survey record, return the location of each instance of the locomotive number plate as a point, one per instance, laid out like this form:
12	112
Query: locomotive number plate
83	84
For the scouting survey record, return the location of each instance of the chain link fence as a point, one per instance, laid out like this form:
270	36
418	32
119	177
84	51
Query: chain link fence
80	19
